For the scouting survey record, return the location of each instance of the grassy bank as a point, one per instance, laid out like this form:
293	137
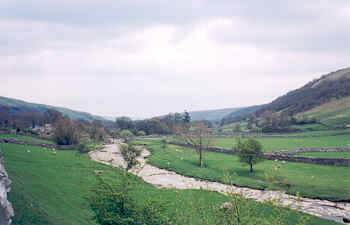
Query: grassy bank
310	180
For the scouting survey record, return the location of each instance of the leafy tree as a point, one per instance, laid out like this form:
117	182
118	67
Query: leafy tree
250	152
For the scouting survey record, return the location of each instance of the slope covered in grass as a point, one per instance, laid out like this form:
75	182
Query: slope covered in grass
333	113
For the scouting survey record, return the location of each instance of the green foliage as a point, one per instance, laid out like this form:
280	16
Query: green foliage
250	152
113	204
83	146
126	133
141	133
130	153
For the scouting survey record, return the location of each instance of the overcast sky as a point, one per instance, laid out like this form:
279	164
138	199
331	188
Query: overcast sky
149	57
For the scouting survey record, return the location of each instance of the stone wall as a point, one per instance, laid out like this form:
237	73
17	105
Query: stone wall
6	210
45	145
321	161
300	150
301	136
27	135
283	155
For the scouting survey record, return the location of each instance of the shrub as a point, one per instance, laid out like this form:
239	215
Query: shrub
113	204
130	153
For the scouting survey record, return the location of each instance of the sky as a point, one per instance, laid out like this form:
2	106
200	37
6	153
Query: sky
142	58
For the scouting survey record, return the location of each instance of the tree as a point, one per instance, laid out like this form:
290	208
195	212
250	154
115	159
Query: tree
196	136
66	132
250	152
187	117
126	134
97	132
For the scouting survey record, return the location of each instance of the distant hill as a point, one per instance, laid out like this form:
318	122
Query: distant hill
238	115
16	105
326	98
212	115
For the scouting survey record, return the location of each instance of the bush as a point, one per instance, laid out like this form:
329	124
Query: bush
141	133
130	153
113	204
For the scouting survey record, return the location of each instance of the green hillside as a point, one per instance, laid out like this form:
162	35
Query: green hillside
333	113
326	99
237	115
16	105
212	115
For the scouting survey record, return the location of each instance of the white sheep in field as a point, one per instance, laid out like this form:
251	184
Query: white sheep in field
54	153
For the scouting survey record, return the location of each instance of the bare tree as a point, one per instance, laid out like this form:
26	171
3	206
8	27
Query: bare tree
196	135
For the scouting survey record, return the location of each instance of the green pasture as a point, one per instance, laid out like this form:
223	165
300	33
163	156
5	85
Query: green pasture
276	144
25	138
51	189
310	180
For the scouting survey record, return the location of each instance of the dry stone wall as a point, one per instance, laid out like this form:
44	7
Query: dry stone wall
6	210
45	145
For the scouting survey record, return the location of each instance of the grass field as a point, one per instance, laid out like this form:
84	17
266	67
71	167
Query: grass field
310	180
307	133
25	138
342	155
275	144
51	189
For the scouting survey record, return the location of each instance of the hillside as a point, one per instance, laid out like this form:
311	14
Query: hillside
330	92
237	115
16	105
333	113
212	115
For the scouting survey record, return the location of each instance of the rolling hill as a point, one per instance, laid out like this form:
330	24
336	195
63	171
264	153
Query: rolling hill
16	105
212	115
326	98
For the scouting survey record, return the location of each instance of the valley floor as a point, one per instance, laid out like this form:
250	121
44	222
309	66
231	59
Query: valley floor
167	179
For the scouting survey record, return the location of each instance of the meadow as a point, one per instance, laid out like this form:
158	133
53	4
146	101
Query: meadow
276	144
309	180
25	138
52	189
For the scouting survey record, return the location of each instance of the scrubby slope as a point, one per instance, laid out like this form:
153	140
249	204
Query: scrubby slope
16	105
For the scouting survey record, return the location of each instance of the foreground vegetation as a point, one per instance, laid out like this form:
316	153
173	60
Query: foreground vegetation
52	189
309	180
